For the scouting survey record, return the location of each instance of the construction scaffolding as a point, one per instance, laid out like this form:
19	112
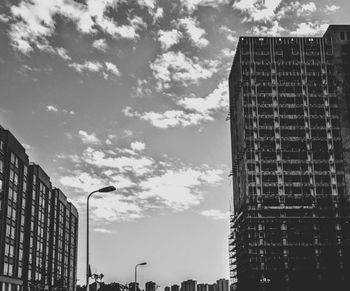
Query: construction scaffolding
290	228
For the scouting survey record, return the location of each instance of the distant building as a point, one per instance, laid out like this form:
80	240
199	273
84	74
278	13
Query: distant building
167	288
38	227
175	287
202	287
212	287
290	128
150	286
189	285
134	287
222	285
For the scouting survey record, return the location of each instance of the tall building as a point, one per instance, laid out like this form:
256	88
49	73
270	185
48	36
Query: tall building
290	128
222	285
189	285
13	196
202	287
175	287
38	226
150	286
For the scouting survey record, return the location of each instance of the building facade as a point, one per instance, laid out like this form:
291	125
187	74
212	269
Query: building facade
175	287
38	226
13	196
189	285
290	128
150	286
222	285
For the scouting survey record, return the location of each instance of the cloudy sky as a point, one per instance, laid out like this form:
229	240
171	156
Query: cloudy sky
134	94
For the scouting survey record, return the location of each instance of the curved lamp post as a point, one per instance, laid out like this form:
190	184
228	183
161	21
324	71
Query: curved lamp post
102	190
141	264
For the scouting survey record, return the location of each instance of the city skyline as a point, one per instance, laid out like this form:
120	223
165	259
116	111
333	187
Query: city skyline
135	95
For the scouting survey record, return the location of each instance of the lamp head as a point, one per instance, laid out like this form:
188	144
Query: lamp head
107	189
142	264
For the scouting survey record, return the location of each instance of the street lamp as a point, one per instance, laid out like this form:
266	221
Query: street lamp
102	190
141	264
264	281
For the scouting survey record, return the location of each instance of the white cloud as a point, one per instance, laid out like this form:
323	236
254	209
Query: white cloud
103	230
121	163
216	100
105	69
4	18
176	67
309	29
137	146
215	214
194	32
231	34
177	189
112	68
192	5
273	29
306	8
87	66
34	22
100	44
82	181
88	138
168	38
332	8
257	10
51	108
197	110
170	118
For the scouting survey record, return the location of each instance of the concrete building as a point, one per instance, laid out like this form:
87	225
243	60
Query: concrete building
189	285
150	286
290	128
202	287
13	196
38	227
175	287
166	288
222	285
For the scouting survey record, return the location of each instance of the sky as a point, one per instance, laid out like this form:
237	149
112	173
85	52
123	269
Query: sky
134	94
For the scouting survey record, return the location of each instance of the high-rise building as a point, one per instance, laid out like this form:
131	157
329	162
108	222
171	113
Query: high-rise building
175	287
150	286
189	285
222	285
290	128
203	287
38	226
13	196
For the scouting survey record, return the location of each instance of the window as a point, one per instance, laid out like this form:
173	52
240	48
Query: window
348	35
342	35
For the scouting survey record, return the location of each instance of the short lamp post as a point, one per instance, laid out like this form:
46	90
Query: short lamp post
88	272
264	281
141	264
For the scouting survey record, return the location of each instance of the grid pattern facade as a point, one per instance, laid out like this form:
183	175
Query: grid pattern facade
291	224
38	226
13	188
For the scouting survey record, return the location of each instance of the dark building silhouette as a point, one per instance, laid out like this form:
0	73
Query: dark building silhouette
150	286
189	285
290	130
38	226
202	287
175	287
